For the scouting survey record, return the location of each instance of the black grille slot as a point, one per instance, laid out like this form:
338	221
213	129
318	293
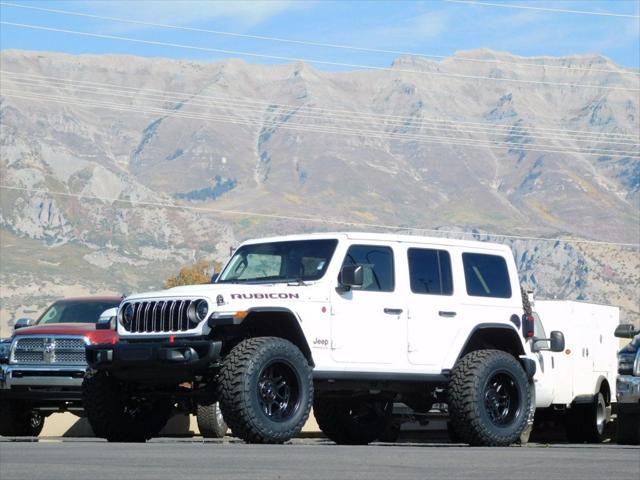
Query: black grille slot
160	316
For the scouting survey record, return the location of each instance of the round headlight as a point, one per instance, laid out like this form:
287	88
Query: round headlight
202	308
127	316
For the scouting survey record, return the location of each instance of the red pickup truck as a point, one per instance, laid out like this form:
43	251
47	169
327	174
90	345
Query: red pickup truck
43	364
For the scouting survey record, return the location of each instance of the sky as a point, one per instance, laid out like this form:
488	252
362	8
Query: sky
431	28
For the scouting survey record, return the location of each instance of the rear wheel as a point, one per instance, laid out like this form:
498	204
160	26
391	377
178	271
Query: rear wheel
489	398
210	420
352	422
118	416
586	423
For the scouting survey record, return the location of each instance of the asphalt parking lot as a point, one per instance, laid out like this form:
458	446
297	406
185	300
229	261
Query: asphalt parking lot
194	458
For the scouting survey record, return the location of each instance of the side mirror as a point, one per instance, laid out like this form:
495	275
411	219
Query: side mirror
214	277
555	342
107	320
625	330
21	323
351	276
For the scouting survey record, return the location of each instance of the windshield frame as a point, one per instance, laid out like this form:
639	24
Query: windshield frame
326	252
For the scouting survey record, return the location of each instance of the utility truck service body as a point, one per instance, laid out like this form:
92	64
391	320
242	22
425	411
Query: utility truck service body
350	323
577	385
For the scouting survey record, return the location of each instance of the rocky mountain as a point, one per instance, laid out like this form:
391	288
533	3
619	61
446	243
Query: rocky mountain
117	170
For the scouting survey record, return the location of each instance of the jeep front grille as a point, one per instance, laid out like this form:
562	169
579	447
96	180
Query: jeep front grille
158	316
49	349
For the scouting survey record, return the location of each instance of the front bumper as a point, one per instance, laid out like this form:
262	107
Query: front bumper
41	383
628	390
153	361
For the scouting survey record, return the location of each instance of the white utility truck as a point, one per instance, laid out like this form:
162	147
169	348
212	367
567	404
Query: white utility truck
576	386
349	323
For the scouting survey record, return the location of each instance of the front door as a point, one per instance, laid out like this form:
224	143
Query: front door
367	323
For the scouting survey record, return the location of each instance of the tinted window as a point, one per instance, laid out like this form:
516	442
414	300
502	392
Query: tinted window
486	275
430	271
66	311
377	263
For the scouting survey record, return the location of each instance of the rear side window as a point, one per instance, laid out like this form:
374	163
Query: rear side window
486	275
377	263
430	271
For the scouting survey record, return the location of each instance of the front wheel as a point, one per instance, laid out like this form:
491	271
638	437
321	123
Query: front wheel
119	416
19	420
266	390
489	398
628	427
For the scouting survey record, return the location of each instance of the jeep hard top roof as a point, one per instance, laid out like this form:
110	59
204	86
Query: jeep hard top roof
386	237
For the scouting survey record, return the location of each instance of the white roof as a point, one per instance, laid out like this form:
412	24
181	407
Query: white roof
386	237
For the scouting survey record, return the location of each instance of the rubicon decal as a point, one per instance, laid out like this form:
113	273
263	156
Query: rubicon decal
263	296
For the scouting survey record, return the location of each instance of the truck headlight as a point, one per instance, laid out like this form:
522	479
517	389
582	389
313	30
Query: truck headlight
626	361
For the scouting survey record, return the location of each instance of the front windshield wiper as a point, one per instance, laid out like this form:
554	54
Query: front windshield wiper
296	282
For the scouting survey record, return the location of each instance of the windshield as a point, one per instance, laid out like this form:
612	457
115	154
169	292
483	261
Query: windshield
80	311
299	260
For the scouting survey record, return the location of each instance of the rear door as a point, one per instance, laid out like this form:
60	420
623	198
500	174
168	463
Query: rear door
433	317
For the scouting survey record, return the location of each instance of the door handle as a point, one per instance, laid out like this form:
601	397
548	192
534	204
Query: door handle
447	314
393	311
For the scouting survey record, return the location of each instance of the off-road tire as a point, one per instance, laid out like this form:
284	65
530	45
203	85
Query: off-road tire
19	420
583	424
111	414
210	420
628	428
475	380
246	390
351	422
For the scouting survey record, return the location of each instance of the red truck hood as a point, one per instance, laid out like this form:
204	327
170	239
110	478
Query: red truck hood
86	329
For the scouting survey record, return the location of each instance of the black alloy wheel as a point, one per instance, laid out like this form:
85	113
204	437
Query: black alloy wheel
278	390
501	398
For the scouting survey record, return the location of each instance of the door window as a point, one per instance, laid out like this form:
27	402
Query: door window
430	271
486	275
377	263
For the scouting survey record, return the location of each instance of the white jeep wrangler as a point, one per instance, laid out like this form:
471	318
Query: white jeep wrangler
349	323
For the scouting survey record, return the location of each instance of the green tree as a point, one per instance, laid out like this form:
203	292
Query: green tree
198	273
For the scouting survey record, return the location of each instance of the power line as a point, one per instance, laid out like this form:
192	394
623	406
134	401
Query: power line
329	130
299	113
308	43
544	9
310	61
186	96
312	219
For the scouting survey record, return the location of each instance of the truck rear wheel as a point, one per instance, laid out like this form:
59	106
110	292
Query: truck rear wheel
210	420
352	422
489	398
19	420
628	428
119	417
586	423
266	390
